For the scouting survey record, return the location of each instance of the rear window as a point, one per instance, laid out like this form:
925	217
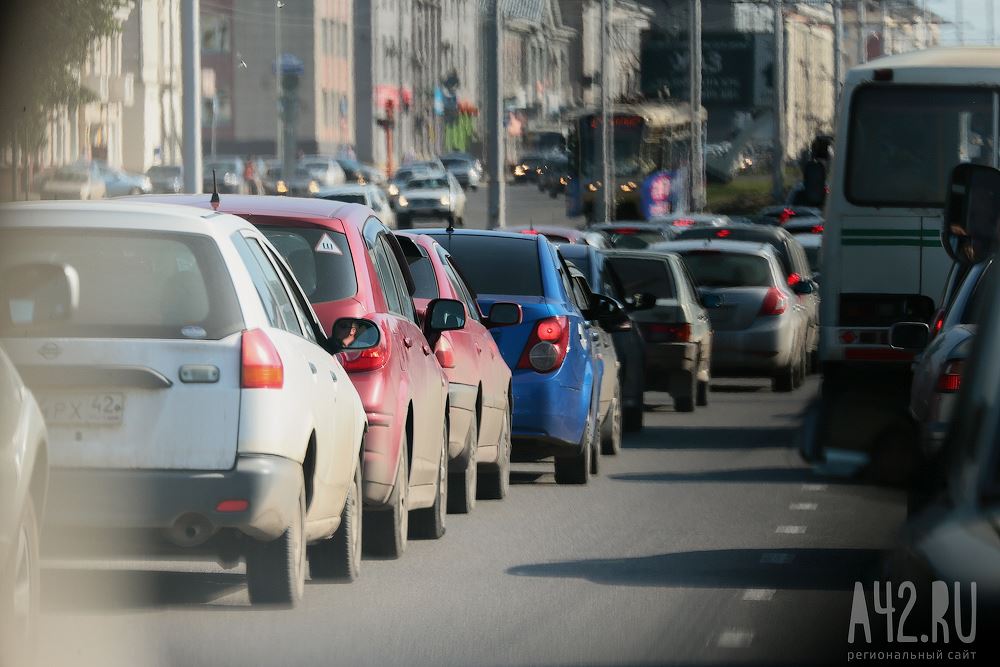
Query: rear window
423	277
496	265
644	275
718	269
636	240
347	198
582	262
320	259
133	284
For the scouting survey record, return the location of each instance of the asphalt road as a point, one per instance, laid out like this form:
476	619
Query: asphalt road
706	541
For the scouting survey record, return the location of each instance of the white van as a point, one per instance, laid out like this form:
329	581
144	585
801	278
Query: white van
904	122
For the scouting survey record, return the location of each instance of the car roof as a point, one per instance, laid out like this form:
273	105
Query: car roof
659	253
120	214
266	205
485	233
555	230
722	245
756	231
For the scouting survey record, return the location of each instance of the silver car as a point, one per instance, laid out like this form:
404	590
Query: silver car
431	196
369	195
23	485
760	325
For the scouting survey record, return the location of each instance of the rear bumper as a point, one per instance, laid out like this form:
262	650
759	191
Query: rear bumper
548	413
669	366
763	348
176	506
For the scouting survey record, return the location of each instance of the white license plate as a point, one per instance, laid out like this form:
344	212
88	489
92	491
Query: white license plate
83	409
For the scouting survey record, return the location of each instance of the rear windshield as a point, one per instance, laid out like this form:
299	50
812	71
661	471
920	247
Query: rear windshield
423	276
495	265
582	262
133	284
347	198
643	275
635	240
718	269
319	258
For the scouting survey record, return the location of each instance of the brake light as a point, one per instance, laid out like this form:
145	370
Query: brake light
683	222
360	361
723	233
666	333
816	229
951	377
786	215
775	302
547	345
533	232
938	323
445	353
626	230
261	364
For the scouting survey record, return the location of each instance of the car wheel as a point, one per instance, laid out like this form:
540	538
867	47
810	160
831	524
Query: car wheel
462	484
784	380
385	530
576	469
339	558
21	599
429	523
495	482
611	430
702	394
685	402
632	418
276	570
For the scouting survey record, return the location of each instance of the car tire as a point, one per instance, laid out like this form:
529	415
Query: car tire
702	399
19	625
339	558
462	484
611	429
632	419
494	483
595	453
429	523
784	380
576	469
403	222
386	530
276	570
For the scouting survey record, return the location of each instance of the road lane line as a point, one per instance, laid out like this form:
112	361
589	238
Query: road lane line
735	638
803	507
759	594
790	530
776	558
814	487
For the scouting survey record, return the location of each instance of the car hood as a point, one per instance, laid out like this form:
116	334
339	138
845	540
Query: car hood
425	193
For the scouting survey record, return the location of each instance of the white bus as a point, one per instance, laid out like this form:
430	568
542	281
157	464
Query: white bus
904	122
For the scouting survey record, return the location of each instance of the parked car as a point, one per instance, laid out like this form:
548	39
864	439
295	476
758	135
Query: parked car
467	170
75	181
369	195
326	171
431	196
566	235
192	401
556	384
351	266
557	176
23	488
628	343
795	267
760	329
228	175
299	183
166	178
635	235
478	379
118	182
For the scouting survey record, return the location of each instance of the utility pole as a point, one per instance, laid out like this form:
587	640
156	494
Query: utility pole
280	144
927	26
838	50
778	176
884	29
697	140
862	32
191	85
605	197
990	24
399	75
495	162
959	23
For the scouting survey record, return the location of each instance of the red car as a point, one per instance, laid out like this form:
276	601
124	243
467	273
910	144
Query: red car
351	266
479	379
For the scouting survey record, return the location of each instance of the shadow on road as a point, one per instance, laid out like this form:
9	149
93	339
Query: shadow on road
738	388
697	437
755	475
809	569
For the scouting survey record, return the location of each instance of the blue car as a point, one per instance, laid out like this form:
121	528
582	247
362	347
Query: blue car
556	372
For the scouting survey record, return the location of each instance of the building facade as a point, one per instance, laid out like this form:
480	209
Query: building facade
536	51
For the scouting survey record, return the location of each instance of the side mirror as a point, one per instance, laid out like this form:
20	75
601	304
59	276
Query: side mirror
38	294
804	287
610	314
911	336
352	334
971	213
503	314
643	301
444	315
711	300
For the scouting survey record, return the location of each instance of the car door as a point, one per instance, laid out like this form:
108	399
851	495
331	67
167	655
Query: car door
701	325
602	345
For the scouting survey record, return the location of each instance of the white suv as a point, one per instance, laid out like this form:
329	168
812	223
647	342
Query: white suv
192	400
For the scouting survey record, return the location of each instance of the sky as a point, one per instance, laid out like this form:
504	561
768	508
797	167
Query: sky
974	15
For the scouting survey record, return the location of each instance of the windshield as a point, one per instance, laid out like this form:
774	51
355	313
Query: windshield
427	183
717	269
905	141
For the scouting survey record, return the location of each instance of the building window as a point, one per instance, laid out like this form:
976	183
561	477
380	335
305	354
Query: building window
216	34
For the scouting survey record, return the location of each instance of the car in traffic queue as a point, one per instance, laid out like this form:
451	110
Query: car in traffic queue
24	475
593	263
228	175
467	170
556	176
431	196
479	381
325	170
556	382
299	182
367	194
166	178
804	225
565	235
118	182
759	327
405	173
192	402
351	268
673	324
526	168
681	221
635	234
81	180
784	214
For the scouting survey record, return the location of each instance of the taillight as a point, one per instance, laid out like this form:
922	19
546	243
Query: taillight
722	233
951	377
938	323
816	229
775	302
445	353
261	363
359	361
794	279
683	222
666	333
547	345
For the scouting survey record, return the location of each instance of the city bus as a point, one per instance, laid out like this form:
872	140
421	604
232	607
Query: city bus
904	123
651	156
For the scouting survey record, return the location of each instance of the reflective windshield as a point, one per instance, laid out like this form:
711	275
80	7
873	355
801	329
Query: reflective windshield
717	269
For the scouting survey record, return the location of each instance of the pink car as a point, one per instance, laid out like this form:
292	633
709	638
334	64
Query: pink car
479	379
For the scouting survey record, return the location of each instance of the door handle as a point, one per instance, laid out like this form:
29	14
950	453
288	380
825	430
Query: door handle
407	341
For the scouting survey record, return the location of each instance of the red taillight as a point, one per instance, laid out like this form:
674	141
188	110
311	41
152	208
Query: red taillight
533	232
786	215
951	377
816	229
445	353
666	333
794	279
547	345
232	506
723	233
626	230
938	323
775	302
683	222
262	368
847	337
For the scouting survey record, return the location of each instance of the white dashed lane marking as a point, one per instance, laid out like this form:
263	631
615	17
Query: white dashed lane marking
814	487
790	530
735	638
803	507
758	594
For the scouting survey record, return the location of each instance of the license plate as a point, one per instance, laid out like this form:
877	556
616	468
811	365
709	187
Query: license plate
84	409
